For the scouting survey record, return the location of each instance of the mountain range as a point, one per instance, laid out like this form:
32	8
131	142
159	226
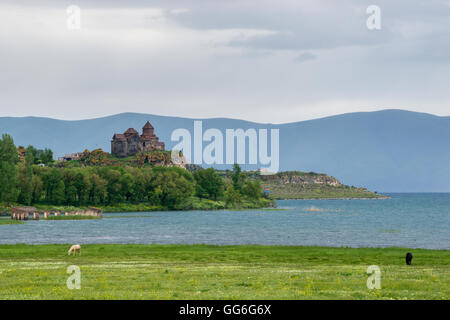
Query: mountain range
384	151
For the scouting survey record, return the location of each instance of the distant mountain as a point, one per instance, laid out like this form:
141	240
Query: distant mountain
390	150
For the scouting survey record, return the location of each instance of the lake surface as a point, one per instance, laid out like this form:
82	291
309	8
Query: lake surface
406	220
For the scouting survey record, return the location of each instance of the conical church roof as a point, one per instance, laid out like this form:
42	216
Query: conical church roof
148	126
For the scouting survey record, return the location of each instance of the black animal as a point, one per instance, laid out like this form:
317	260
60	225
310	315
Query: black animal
409	257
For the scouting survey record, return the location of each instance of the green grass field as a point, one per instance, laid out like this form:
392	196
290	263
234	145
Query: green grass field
71	218
4	221
220	272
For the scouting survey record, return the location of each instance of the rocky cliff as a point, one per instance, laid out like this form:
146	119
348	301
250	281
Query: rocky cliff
293	177
310	185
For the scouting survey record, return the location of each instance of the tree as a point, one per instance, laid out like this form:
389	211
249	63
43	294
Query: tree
58	195
95	158
113	185
29	161
46	156
155	195
140	184
172	189
9	190
70	191
208	184
37	188
40	156
232	196
22	184
51	179
97	191
25	179
252	189
236	177
70	195
82	185
126	185
8	151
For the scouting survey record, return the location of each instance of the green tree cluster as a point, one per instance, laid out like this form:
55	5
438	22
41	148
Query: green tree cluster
210	185
44	156
168	187
9	158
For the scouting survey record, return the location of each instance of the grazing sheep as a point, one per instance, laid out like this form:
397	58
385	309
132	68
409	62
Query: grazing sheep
409	257
74	249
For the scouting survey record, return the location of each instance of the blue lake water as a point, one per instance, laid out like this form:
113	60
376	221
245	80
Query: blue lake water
406	220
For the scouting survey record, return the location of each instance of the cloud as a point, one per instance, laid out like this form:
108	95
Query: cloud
256	60
302	57
178	11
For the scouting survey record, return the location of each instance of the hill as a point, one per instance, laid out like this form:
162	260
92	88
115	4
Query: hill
386	151
311	185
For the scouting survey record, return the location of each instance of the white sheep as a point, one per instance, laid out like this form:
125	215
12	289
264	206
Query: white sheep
74	249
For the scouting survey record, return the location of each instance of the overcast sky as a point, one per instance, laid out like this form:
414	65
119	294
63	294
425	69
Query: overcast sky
267	61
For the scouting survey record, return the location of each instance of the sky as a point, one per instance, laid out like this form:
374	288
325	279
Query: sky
265	61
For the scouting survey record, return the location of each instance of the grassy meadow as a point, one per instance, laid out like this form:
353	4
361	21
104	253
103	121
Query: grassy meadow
71	218
4	221
221	272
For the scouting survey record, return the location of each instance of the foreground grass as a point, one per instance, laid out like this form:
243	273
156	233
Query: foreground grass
220	272
4	221
71	218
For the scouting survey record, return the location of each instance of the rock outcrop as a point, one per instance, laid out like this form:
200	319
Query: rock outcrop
301	178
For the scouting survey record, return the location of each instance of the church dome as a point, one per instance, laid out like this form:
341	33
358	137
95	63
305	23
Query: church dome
131	131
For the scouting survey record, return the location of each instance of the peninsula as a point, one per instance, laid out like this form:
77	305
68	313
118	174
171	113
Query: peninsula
139	175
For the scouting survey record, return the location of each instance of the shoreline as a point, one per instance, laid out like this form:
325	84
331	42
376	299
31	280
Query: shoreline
224	246
143	207
346	198
204	205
